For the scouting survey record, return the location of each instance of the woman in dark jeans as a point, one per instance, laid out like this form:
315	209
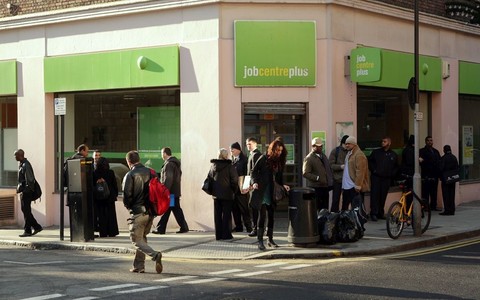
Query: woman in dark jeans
105	208
225	184
267	169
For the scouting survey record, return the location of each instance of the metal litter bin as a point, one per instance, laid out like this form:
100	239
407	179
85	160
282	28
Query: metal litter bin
302	217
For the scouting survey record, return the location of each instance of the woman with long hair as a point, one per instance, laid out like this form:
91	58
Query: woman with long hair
269	168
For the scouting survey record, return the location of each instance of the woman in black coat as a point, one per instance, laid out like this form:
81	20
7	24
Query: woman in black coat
106	213
448	162
225	184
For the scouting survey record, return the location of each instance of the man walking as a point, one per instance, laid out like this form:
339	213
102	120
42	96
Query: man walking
135	199
316	169
429	158
26	188
337	163
171	176
240	205
355	179
255	154
383	165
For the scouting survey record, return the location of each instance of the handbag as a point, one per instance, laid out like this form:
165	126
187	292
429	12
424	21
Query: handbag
101	191
279	192
450	176
37	191
207	185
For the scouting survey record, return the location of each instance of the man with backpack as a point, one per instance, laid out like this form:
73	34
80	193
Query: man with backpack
170	176
337	163
135	199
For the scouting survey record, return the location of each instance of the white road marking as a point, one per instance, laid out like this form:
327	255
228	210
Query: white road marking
461	256
175	278
44	297
113	287
253	273
293	267
272	265
150	288
205	280
34	263
226	272
85	298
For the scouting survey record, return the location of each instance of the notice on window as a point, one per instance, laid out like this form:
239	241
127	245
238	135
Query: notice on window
467	140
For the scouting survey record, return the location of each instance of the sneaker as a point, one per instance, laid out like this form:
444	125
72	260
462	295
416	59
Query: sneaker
183	231
135	270
25	234
35	231
158	263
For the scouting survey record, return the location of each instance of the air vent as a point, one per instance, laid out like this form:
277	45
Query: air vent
7	211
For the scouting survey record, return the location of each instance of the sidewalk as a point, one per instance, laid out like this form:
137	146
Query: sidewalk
202	245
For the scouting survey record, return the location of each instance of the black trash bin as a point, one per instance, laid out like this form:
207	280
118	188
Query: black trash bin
302	217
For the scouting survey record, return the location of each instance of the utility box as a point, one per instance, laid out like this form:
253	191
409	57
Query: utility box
302	217
80	199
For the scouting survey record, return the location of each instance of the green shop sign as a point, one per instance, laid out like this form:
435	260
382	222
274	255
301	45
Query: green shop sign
275	53
365	64
8	79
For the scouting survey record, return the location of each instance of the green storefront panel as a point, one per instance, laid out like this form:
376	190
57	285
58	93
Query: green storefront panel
396	69
8	79
137	68
469	78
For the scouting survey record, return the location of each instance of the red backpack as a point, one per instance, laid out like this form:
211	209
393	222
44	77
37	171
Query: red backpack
158	194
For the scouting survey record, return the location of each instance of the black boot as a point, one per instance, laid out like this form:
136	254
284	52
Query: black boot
261	246
270	242
253	232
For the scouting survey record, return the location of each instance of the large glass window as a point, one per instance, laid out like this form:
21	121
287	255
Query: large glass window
8	141
116	122
469	156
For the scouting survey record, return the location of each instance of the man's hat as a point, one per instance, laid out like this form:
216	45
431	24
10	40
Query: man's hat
317	142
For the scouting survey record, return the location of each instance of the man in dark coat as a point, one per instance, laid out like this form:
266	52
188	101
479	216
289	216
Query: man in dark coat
255	196
26	187
383	165
170	176
448	162
429	158
240	205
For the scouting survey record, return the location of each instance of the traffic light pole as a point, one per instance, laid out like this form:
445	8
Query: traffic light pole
417	211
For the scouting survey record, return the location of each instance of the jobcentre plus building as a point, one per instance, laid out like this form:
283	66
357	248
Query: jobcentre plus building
198	75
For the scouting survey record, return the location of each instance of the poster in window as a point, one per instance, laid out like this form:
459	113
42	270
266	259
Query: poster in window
467	140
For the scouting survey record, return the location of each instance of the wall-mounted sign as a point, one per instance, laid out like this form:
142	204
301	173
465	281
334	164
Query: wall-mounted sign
275	53
365	64
60	106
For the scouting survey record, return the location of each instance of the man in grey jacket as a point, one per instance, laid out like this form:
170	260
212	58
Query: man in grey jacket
135	199
317	171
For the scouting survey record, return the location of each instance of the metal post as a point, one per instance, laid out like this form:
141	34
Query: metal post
417	211
62	190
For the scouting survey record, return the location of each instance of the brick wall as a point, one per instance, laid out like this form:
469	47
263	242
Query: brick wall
24	7
434	7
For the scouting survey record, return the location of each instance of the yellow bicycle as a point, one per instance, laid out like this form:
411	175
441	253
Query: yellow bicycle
400	214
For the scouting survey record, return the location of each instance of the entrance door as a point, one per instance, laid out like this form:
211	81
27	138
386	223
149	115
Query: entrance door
266	127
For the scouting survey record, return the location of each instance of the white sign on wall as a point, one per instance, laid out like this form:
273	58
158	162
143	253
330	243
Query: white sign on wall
60	106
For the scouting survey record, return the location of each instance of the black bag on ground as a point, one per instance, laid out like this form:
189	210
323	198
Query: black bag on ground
348	228
327	227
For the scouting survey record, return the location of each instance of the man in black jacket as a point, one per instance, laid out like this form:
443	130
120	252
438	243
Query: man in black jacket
171	176
383	165
429	158
255	154
135	199
240	204
26	187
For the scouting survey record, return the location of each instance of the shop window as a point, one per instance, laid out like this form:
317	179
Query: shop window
469	154
8	142
116	122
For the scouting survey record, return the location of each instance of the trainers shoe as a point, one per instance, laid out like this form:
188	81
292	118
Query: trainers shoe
135	270
25	234
35	231
158	263
183	231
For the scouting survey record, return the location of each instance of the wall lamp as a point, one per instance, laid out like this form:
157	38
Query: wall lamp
13	8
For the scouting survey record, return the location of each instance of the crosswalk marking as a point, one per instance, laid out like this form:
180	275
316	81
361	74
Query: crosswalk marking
205	280
45	297
226	272
86	298
113	287
275	264
293	267
175	278
253	273
144	289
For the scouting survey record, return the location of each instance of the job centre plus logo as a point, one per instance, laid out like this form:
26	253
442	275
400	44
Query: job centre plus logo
255	71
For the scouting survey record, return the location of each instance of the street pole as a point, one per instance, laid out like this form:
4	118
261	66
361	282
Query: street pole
417	211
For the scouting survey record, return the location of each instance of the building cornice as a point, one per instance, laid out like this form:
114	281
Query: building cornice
141	6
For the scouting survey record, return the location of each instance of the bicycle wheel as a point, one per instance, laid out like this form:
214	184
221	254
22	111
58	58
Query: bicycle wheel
426	215
394	223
